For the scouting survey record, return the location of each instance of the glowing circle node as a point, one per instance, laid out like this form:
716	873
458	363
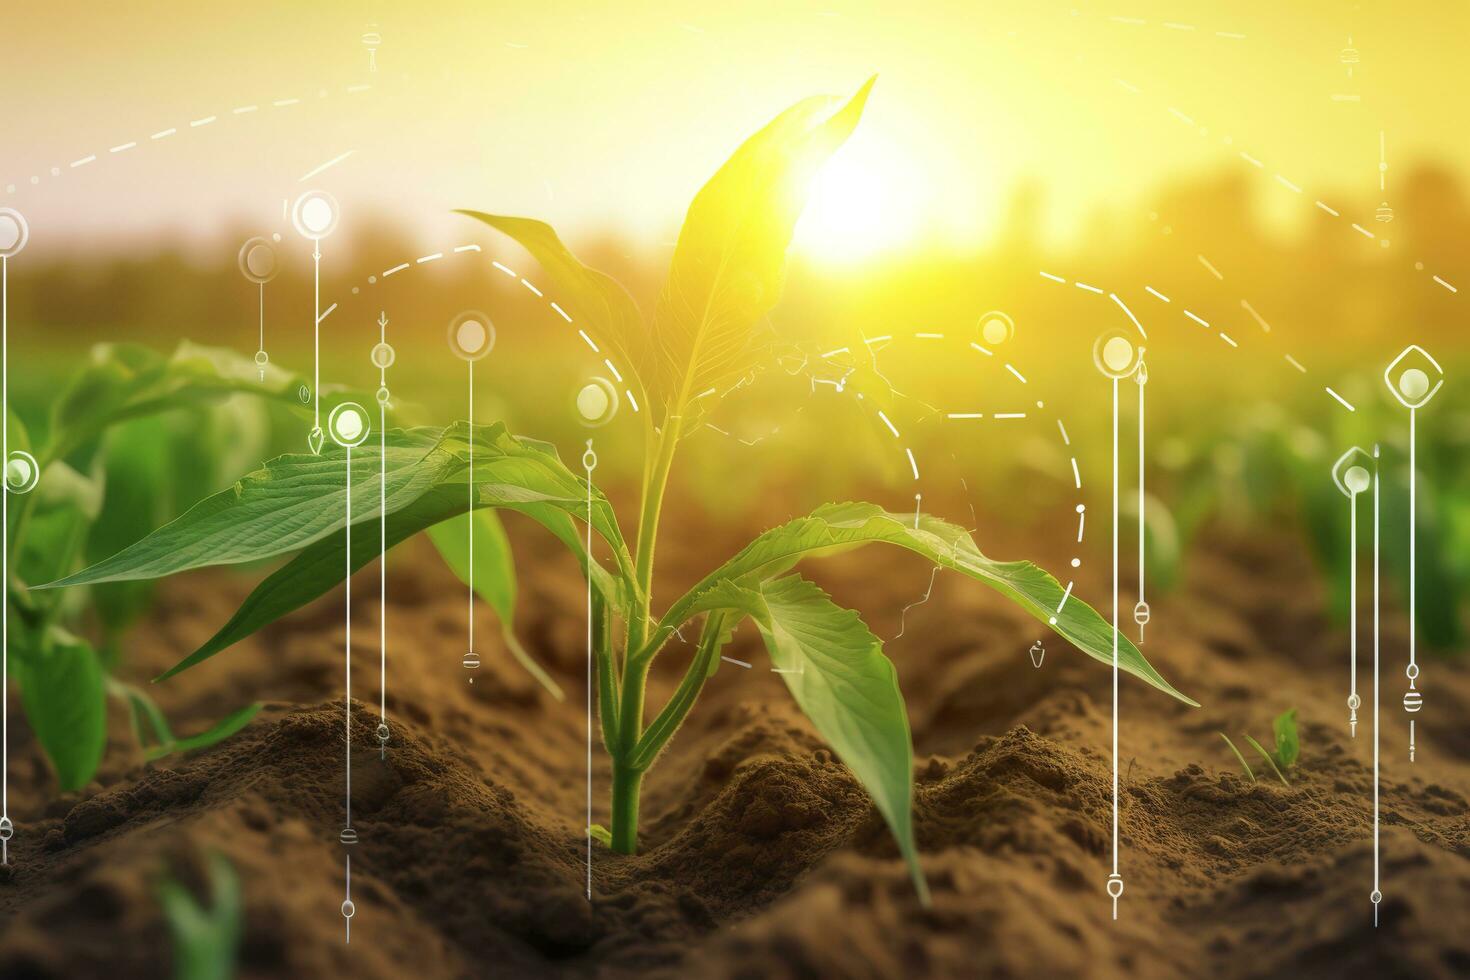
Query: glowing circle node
315	215
597	402
1115	355
258	261
262	358
996	328
382	396
348	424
1357	479
471	335
22	472
383	356
1413	383
14	232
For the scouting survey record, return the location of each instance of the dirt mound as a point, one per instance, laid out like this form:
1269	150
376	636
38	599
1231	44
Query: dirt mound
761	855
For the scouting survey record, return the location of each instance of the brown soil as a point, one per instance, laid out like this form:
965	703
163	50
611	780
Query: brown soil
761	856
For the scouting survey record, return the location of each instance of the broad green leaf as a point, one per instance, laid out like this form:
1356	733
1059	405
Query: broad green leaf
206	940
296	501
321	567
835	669
728	264
124	381
65	505
136	461
596	302
835	528
493	571
1288	742
61	687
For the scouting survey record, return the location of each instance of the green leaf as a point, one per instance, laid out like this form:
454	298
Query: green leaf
65	505
1243	764
596	302
124	381
1288	743
136	461
297	500
728	264
494	575
61	687
1267	756
218	732
835	528
835	669
600	834
206	939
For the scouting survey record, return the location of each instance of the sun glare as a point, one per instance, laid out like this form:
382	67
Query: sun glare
864	202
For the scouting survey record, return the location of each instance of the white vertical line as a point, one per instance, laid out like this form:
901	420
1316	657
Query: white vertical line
1115	636
316	332
1141	502
5	544
586	459
347	654
471	511
383	537
1377	894
1413	535
1353	606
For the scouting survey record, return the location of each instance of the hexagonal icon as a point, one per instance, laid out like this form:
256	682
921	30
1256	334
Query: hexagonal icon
1353	472
1116	355
1413	377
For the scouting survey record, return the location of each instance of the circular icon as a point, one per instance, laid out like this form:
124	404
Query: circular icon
382	395
315	215
1357	479
383	356
1376	897
996	328
348	909
1115	886
262	358
1354	702
258	261
348	836
1413	672
1413	701
597	402
1414	383
1115	355
1141	613
383	732
303	393
14	232
348	424
7	829
471	335
21	472
471	660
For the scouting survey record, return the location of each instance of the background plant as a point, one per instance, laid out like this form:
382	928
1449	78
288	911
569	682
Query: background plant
707	334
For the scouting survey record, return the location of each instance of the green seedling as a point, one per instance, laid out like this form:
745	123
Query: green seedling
132	438
206	939
707	333
1288	747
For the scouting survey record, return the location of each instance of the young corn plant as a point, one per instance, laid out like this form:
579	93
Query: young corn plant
708	331
1288	747
131	438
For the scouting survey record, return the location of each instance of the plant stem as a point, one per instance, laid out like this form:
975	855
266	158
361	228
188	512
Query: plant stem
626	785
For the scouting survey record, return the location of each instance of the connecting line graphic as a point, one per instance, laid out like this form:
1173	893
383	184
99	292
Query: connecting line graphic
315	216
1115	880
348	909
20	474
471	660
1352	474
383	356
589	463
1377	896
1141	610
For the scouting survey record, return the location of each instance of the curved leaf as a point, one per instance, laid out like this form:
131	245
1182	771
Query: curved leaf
728	264
595	301
62	688
840	527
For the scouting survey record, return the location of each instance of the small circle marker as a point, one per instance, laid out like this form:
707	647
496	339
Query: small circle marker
996	328
1115	355
258	261
597	402
382	396
383	356
1357	479
1141	613
1414	383
262	358
471	335
14	232
348	424
315	215
22	472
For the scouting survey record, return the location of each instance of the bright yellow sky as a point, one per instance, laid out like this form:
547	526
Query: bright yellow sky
590	114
